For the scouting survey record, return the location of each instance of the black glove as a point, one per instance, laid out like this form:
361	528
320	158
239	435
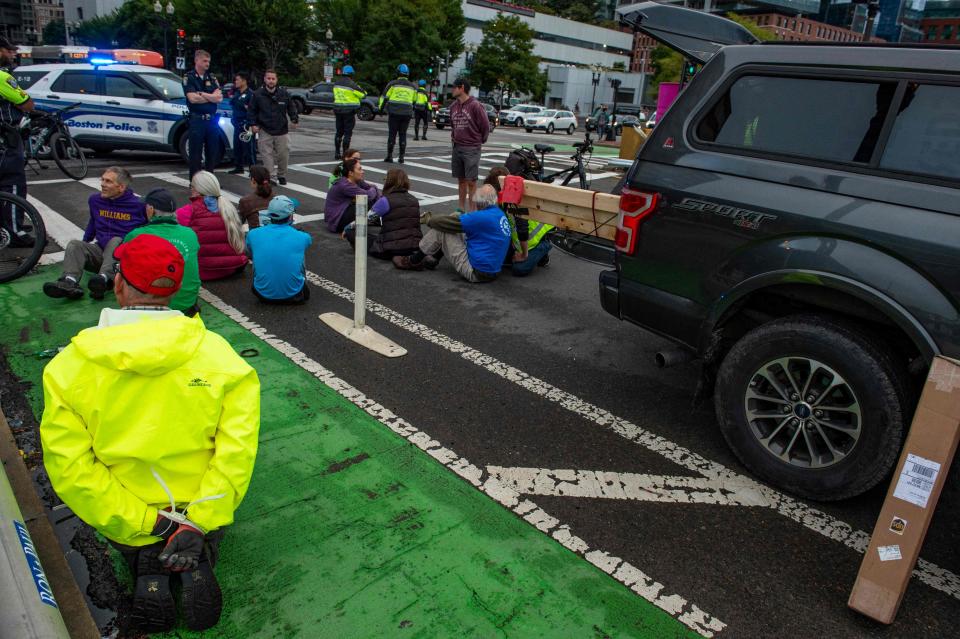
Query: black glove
183	549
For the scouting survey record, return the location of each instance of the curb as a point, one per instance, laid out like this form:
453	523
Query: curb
73	607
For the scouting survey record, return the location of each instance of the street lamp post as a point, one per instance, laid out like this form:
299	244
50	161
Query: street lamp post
159	9
595	79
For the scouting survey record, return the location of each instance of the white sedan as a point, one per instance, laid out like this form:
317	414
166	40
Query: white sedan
552	120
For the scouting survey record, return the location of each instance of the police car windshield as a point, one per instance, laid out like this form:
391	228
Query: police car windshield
169	85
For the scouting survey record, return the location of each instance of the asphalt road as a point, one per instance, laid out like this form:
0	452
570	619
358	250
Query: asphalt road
532	374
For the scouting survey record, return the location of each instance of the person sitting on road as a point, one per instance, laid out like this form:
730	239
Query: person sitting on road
399	215
253	203
147	412
529	245
341	207
475	243
163	223
217	224
278	252
114	211
337	173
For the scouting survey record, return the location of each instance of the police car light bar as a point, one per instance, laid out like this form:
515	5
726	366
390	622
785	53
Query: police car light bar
99	61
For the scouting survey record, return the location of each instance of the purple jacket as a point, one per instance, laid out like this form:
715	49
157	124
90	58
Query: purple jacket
340	197
469	125
113	218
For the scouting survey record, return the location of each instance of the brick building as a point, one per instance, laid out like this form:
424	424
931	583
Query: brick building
941	22
800	29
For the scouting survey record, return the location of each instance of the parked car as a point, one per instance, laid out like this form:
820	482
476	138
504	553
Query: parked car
441	117
811	264
620	120
320	96
517	115
124	106
552	120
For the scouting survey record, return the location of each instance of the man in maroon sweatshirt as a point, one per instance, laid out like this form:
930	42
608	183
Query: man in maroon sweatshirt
114	212
469	128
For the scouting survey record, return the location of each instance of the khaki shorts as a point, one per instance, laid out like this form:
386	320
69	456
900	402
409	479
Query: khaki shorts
465	162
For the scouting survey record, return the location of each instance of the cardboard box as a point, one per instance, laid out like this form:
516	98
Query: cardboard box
913	495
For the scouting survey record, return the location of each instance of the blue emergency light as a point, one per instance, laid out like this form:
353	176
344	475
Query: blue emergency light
101	61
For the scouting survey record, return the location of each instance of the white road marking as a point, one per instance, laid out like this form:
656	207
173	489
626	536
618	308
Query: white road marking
51	258
307	169
597	484
685	612
811	518
413	178
59	229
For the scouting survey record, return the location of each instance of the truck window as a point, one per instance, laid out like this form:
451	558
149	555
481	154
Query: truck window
26	78
834	120
926	134
84	82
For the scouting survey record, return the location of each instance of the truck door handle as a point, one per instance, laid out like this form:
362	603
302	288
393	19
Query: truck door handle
114	102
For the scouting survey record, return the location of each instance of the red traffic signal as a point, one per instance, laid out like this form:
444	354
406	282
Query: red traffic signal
346	52
181	33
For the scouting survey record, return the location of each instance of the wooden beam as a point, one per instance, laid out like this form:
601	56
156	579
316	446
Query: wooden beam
572	209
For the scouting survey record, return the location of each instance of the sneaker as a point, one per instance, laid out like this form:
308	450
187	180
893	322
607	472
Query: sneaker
544	261
430	262
154	609
99	285
63	288
236	171
282	180
201	600
403	263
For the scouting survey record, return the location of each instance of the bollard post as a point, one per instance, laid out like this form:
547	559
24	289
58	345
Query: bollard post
360	265
357	330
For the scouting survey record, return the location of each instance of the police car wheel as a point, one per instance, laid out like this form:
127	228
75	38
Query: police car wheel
307	110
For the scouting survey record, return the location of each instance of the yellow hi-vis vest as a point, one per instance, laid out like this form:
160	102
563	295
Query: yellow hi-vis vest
537	231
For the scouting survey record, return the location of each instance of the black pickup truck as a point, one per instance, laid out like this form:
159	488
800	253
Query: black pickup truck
320	96
794	222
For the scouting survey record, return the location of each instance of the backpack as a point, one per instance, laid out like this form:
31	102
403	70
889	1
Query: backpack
523	162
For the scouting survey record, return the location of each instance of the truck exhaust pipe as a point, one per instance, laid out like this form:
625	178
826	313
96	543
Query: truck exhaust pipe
672	356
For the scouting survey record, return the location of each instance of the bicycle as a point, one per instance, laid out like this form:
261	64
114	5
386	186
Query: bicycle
535	170
23	236
45	133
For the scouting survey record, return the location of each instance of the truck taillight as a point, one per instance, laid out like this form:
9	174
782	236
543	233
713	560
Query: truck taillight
635	206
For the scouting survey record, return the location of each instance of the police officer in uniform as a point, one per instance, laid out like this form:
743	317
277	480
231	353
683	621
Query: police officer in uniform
14	102
244	152
397	100
203	96
346	102
421	111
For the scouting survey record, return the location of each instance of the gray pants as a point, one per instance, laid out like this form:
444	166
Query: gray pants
274	149
88	256
454	247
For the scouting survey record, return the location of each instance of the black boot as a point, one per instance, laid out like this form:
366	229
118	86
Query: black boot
153	607
403	149
389	157
201	599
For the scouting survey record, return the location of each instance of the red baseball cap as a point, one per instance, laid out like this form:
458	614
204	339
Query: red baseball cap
147	259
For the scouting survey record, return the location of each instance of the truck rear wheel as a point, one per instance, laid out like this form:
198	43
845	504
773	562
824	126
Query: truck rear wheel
812	406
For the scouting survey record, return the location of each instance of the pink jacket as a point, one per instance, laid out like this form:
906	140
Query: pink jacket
217	258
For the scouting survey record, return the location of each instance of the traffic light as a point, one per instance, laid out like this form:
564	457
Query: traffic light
429	70
346	53
181	37
691	69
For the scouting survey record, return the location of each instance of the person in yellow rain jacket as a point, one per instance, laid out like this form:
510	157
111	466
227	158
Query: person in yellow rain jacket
149	434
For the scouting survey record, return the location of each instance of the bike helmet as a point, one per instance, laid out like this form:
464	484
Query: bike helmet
347	70
403	69
422	83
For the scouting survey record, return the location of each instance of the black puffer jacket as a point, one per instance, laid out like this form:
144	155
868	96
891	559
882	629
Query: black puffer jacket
401	226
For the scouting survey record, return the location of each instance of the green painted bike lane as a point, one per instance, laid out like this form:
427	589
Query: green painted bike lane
349	530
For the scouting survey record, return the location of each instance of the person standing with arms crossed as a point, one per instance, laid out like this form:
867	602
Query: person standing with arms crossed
14	102
421	111
203	96
469	129
346	102
244	153
269	110
397	100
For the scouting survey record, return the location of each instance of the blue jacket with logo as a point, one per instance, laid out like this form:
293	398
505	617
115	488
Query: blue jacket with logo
488	238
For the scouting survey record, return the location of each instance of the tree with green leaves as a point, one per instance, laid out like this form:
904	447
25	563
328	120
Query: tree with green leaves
505	58
54	32
759	32
579	10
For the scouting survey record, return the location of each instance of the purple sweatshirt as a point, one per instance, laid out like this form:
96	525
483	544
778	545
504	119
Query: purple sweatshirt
113	218
340	197
469	125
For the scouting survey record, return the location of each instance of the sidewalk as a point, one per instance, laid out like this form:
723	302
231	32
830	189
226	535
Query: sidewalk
348	530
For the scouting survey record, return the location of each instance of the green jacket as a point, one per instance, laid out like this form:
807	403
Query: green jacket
186	241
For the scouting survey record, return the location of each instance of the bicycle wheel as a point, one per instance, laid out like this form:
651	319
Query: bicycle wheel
22	236
68	155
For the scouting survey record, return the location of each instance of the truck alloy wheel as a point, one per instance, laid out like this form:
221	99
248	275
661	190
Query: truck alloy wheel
812	406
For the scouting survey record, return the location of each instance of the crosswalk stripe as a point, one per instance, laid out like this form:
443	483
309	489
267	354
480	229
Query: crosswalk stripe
307	169
414	178
59	229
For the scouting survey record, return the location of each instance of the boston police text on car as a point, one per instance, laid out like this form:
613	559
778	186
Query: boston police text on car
123	106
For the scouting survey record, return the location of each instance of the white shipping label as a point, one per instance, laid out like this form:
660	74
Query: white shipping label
916	480
889	553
